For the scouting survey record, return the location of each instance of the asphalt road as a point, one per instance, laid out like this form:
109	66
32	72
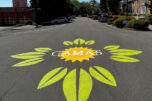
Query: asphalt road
134	80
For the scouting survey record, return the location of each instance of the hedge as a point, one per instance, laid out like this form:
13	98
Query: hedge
140	24
110	21
150	20
118	23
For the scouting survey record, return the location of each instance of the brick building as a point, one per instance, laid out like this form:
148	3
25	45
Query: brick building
123	6
17	14
19	3
135	6
139	7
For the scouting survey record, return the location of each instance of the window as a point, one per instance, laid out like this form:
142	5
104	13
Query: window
137	11
133	10
22	20
144	1
10	21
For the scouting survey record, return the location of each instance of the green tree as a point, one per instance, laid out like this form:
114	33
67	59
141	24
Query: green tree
103	6
150	6
84	8
110	6
52	8
76	6
95	7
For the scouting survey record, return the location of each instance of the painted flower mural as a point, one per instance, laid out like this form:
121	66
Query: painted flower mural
75	53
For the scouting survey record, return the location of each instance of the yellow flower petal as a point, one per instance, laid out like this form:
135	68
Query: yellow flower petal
69	86
52	77
123	58
106	76
111	47
28	62
67	43
79	41
43	49
125	52
90	42
85	85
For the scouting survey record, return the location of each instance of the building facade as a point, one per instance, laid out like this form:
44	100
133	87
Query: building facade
139	7
19	3
123	6
17	14
135	6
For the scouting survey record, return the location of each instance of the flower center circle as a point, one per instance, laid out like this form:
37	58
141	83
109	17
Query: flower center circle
77	54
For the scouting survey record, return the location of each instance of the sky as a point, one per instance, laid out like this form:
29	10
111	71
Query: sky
8	3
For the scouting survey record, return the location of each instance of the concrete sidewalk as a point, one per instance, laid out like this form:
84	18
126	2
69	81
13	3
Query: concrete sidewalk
26	27
150	27
4	28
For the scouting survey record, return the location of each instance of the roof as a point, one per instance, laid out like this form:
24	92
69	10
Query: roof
12	9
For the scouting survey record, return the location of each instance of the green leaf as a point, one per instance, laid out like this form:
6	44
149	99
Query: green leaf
112	47
79	41
125	52
25	56
105	76
68	43
85	85
123	58
52	77
28	62
90	42
28	55
69	86
43	49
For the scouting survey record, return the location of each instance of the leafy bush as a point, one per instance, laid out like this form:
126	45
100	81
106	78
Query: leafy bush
110	16
134	14
118	23
122	17
130	24
141	15
28	22
130	14
115	17
150	20
110	21
121	13
141	24
128	18
147	16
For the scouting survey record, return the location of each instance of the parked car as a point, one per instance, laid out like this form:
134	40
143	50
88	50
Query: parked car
90	16
53	21
103	18
59	20
70	18
95	17
73	16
